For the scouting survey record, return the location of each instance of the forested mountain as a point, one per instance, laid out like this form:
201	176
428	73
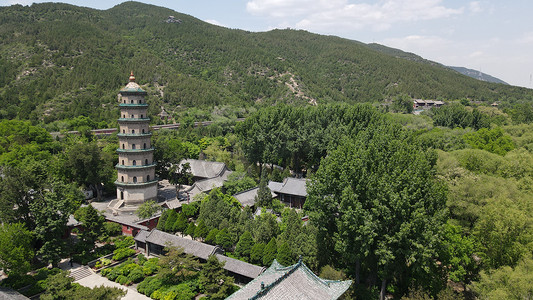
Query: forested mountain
477	75
59	62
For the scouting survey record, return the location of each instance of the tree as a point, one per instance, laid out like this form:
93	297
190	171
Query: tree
402	104
256	254
201	230
492	140
176	266
147	209
51	209
162	219
213	282
60	287
284	255
191	229
238	182
507	282
270	252
375	201
457	253
180	175
92	221
180	224
171	219
85	164
265	227
223	239
264	195
245	245
16	249
212	236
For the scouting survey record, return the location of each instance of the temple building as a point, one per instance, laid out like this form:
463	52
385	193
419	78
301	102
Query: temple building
136	181
292	282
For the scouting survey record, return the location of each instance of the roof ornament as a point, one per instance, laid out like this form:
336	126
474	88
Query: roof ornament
132	78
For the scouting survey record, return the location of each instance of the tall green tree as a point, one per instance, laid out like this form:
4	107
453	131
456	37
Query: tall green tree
213	281
92	221
270	252
147	209
245	245
16	249
51	208
378	207
87	165
285	256
264	195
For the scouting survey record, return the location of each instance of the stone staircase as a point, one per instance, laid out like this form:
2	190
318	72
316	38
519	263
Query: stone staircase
81	272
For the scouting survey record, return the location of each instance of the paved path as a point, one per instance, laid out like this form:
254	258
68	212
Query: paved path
86	277
96	280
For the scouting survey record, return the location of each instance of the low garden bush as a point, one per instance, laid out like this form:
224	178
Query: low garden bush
122	253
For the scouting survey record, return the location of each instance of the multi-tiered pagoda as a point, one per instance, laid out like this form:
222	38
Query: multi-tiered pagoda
136	182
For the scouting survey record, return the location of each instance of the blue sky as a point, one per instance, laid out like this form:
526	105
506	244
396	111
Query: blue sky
495	37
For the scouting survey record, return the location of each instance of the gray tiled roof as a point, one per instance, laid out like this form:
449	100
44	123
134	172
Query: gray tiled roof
195	248
9	294
118	219
204	168
141	236
291	186
292	282
240	267
247	198
205	185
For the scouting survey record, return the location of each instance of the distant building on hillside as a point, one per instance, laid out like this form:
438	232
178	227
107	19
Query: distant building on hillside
426	104
292	282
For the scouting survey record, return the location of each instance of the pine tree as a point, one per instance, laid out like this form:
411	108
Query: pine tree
284	256
181	223
191	228
245	245
211	236
270	252
264	195
214	282
256	255
201	230
162	220
171	219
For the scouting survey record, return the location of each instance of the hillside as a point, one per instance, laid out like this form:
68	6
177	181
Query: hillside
61	61
413	57
477	75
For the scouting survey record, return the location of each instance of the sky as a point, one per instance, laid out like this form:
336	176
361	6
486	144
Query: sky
491	36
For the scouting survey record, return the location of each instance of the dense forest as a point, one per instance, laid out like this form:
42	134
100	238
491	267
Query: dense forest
60	63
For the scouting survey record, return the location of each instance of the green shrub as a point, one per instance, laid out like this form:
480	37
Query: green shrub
123	280
149	285
113	274
122	253
136	275
124	242
112	229
141	259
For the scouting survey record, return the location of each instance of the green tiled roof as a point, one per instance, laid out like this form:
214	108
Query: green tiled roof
136	184
133	119
134	167
133	105
132	88
292	282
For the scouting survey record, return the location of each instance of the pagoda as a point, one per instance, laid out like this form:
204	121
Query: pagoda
136	181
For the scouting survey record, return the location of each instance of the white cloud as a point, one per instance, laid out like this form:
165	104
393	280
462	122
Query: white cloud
215	22
475	6
326	15
21	2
